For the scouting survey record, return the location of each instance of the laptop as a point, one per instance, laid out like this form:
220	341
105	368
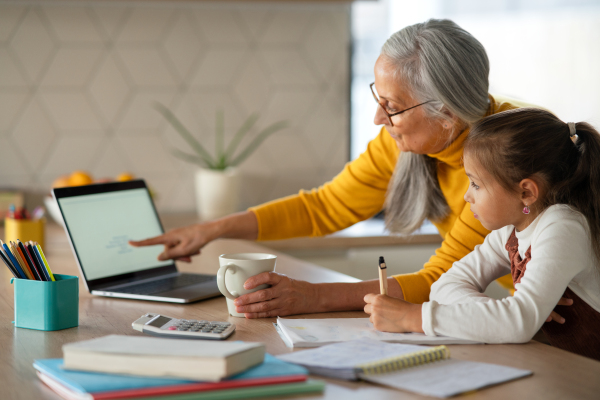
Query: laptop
99	220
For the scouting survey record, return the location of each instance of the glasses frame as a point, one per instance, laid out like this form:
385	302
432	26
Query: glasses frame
388	115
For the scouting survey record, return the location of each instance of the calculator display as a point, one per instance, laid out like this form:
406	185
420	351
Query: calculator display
160	321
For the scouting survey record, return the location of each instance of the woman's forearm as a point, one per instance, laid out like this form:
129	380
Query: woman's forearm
350	296
242	225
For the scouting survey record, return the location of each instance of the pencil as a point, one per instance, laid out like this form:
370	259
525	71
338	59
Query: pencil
8	253
9	265
382	276
38	250
24	267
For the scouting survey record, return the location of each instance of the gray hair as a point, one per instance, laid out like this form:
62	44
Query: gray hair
439	61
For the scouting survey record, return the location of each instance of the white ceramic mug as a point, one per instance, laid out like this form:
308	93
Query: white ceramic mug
235	269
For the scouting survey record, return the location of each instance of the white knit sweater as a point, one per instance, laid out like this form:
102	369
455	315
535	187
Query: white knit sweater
561	256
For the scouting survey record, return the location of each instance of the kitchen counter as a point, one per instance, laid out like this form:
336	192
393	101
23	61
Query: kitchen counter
369	233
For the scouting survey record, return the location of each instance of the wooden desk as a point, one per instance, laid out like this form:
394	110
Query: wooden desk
557	374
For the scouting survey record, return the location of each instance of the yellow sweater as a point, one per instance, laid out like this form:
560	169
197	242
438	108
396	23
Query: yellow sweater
358	193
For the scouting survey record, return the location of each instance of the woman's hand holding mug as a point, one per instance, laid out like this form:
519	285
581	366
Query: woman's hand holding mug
285	296
234	271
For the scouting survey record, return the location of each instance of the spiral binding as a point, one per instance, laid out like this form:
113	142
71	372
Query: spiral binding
404	361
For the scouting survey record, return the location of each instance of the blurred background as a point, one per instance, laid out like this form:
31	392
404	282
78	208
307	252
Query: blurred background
545	52
78	80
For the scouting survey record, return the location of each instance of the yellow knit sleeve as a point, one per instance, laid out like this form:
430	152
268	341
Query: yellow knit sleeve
356	194
466	233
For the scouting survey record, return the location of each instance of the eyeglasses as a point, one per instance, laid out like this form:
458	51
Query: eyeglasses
388	115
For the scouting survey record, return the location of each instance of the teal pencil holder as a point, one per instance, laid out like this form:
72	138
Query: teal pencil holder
47	306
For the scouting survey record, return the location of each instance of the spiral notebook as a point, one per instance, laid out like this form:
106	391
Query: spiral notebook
425	370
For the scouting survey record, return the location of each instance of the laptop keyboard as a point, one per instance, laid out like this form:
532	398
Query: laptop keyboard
164	285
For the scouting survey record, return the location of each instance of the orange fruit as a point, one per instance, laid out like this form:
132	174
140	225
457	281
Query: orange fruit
80	178
125	176
61	181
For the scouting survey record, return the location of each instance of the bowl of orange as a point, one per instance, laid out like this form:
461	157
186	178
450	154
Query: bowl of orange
77	178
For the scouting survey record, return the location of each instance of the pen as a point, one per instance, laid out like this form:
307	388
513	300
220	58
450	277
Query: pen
382	276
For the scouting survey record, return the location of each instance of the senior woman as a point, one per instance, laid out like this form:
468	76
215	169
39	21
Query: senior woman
431	84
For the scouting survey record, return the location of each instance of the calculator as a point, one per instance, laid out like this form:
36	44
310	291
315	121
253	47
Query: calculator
168	327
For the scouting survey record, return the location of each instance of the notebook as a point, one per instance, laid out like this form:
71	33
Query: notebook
319	332
147	356
418	369
100	386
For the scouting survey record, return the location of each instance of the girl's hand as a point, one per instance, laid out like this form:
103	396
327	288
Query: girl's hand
554	316
389	314
286	296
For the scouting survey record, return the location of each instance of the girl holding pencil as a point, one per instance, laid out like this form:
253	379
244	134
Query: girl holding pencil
535	181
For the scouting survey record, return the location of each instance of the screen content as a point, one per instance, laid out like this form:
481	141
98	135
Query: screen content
101	225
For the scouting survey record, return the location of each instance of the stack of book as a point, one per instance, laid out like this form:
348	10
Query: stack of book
131	367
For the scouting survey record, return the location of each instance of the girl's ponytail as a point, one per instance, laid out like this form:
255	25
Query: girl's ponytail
582	189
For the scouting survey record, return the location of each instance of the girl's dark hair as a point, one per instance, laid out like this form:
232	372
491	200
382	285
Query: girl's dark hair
532	143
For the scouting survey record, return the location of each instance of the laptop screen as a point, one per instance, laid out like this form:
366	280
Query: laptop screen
101	224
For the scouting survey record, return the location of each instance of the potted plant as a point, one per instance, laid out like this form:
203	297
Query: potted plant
217	180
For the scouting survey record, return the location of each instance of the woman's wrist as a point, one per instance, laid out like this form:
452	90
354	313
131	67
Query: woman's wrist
242	225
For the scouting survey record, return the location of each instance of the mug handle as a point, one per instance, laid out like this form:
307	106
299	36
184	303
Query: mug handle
221	280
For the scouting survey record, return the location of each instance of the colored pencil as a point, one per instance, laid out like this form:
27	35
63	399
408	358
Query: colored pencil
13	260
17	256
43	257
9	265
33	261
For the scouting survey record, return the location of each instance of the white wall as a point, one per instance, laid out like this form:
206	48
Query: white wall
77	80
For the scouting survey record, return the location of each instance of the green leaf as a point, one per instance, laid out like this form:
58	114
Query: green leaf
219	133
185	134
239	135
191	158
265	133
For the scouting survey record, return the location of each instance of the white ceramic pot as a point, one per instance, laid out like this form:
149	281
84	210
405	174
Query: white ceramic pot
217	192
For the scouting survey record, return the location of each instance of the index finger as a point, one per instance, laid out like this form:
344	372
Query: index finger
149	242
269	278
369	297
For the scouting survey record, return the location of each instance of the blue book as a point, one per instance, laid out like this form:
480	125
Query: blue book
83	382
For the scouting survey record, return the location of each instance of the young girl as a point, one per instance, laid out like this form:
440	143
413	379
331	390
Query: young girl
535	181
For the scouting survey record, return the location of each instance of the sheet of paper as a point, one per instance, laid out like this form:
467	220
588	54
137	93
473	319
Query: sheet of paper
348	355
318	332
447	378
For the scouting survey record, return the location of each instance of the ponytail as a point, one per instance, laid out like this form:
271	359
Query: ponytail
582	189
532	143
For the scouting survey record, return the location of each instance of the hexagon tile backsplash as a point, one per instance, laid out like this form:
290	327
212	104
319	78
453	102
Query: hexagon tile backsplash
77	84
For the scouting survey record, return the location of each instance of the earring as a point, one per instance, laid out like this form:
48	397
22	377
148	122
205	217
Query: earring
526	209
